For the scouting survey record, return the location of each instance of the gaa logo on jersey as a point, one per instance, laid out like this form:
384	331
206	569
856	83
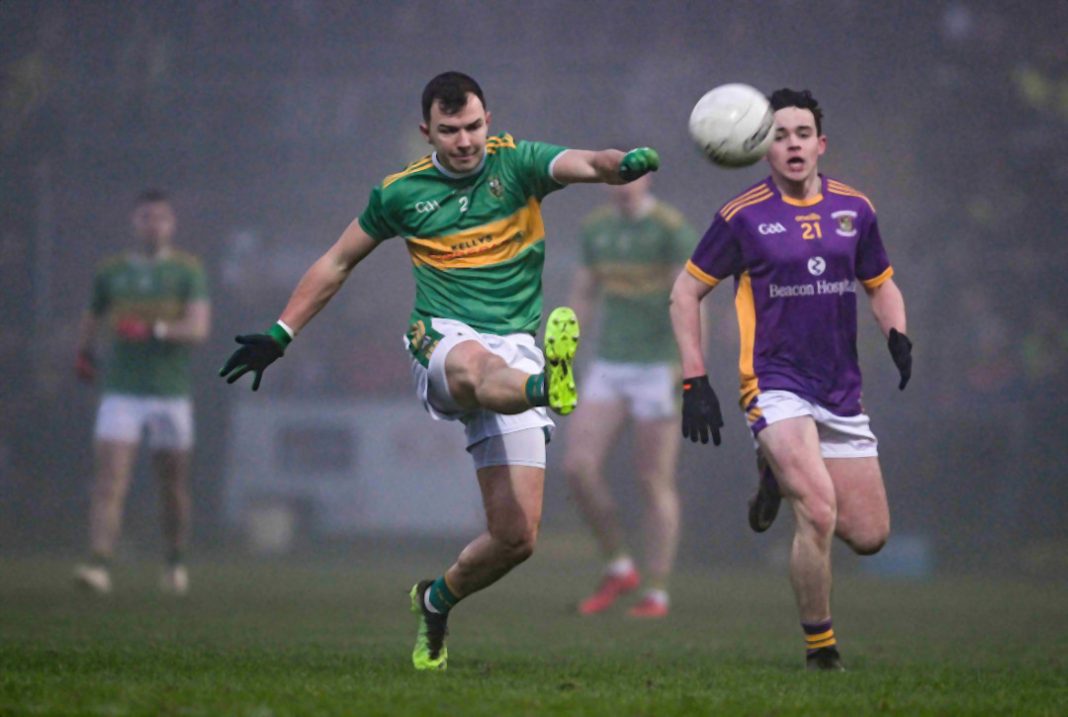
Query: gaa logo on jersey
816	266
495	187
772	228
847	223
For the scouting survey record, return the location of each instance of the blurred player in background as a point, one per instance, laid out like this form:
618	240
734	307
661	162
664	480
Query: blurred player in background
470	213
797	244
632	250
153	303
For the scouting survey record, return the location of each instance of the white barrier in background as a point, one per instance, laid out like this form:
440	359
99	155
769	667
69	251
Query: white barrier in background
346	469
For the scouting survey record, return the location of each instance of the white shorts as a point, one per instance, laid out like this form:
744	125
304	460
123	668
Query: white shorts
518	448
840	436
518	351
167	420
649	390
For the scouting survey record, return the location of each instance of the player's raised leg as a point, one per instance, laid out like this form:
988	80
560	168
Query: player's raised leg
594	428
113	468
792	448
512	498
480	379
172	469
863	511
656	448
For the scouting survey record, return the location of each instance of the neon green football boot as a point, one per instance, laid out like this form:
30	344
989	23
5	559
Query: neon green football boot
429	652
561	343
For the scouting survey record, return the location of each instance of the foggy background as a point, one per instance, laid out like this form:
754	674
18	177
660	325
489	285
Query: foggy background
269	122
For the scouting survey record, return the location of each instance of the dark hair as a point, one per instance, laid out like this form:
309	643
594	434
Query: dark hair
450	90
801	99
151	196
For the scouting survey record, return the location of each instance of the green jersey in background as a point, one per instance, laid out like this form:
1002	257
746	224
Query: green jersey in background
635	262
150	289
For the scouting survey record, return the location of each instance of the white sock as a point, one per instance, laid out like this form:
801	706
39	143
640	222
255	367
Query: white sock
657	595
429	605
620	566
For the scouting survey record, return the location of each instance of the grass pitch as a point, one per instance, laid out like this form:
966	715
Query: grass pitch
333	637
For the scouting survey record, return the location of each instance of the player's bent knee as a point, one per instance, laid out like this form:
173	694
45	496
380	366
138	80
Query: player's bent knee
869	543
819	517
519	545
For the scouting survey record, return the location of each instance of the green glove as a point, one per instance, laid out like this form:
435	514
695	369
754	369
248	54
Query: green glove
637	162
257	352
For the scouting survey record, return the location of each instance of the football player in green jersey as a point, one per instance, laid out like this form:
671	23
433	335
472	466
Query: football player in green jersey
470	216
631	249
154	303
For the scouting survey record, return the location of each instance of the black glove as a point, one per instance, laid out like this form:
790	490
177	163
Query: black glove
700	410
901	352
257	352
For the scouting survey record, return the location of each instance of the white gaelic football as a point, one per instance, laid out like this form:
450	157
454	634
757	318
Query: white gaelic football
732	124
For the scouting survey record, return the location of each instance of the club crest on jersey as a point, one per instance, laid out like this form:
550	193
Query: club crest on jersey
847	223
495	187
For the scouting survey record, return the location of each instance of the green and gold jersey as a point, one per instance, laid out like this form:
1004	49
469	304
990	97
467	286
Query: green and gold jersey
477	240
635	261
135	286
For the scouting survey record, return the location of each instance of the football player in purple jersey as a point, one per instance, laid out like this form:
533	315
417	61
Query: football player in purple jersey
797	245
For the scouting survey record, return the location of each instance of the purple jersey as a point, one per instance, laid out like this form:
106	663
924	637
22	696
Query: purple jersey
795	266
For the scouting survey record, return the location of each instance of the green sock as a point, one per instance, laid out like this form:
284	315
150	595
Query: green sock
439	596
535	388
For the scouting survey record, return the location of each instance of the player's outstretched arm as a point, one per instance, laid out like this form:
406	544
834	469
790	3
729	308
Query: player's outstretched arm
315	289
686	295
888	305
325	276
701	416
610	166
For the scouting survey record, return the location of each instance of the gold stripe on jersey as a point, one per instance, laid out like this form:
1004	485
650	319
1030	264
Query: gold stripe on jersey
495	143
744	196
836	187
417	166
699	274
628	279
876	281
746	309
134	258
484	245
148	309
756	199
